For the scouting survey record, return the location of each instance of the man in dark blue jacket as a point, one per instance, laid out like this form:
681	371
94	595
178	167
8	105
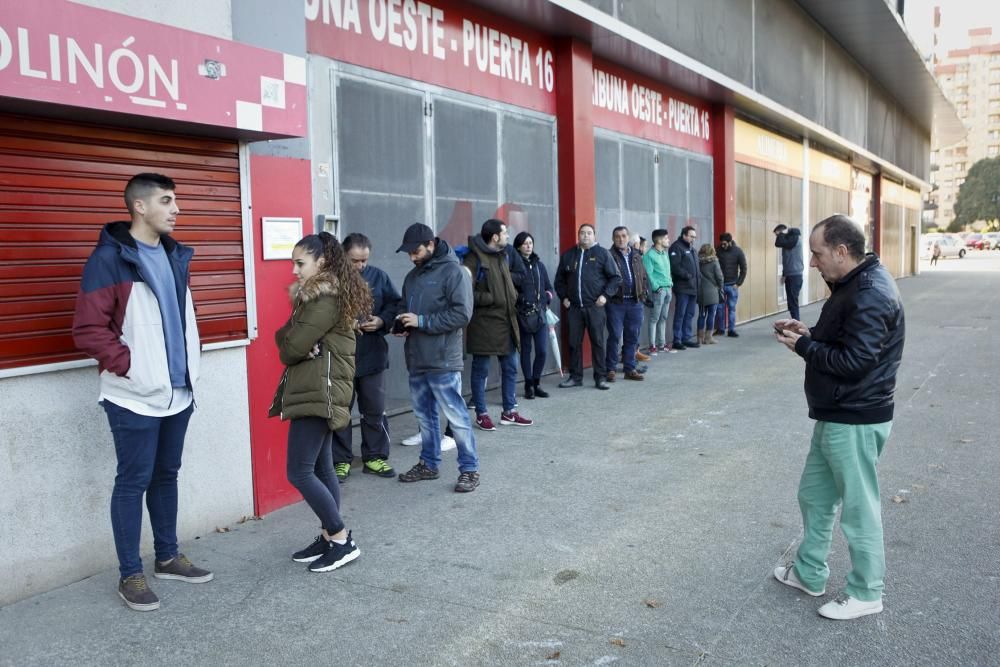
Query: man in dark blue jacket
686	274
371	359
586	278
792	265
852	356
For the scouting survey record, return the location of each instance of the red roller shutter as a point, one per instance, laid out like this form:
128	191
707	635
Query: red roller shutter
60	182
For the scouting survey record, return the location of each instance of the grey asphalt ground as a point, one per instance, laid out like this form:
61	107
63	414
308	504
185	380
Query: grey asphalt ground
637	526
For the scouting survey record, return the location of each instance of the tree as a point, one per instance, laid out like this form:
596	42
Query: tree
979	196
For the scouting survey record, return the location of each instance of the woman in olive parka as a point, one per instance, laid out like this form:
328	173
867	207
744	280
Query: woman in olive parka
317	347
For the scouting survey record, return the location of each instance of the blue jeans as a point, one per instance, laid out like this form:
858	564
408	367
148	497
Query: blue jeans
149	456
624	325
429	392
726	314
508	379
706	315
658	316
539	341
687	307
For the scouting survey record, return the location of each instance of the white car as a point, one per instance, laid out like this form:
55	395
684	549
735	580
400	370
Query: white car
950	247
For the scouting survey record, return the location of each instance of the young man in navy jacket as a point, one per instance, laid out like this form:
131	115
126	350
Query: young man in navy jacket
135	316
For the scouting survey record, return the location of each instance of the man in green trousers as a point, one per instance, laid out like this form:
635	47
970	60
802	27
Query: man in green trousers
851	356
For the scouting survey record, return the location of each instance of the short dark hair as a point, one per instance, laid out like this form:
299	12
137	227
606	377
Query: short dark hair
142	185
492	227
521	238
779	228
687	229
726	237
838	230
356	240
659	234
586	224
619	228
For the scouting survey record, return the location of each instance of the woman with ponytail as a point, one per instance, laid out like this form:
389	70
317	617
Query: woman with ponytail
317	347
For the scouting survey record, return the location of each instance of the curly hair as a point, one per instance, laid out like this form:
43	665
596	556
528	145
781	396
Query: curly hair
355	295
706	252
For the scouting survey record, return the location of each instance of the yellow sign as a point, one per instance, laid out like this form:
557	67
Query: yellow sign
893	193
827	170
761	148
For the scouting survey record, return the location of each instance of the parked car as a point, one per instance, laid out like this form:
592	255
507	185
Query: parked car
994	240
950	246
974	241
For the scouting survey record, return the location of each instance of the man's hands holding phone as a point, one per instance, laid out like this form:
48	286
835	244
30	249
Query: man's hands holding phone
403	323
788	331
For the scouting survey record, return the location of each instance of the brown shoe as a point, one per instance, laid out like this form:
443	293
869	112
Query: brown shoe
135	592
634	375
181	569
639	356
611	376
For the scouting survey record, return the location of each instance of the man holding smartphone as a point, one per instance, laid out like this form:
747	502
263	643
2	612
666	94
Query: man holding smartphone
372	359
851	356
437	295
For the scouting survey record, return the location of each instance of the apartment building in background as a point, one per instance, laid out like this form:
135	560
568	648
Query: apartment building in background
970	77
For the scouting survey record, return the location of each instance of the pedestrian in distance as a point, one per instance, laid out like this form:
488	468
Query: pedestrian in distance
790	242
371	359
534	298
317	347
135	316
851	357
709	292
586	278
734	271
437	296
661	283
493	330
935	253
686	276
624	310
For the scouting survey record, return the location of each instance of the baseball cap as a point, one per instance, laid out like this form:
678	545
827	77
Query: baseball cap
416	235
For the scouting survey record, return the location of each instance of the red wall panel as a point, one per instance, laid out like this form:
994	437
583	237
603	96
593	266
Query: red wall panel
280	187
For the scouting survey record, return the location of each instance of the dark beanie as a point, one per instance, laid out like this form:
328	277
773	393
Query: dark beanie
521	238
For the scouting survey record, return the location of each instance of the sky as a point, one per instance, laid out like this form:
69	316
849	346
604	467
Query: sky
957	17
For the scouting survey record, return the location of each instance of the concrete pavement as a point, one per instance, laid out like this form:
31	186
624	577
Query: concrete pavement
637	526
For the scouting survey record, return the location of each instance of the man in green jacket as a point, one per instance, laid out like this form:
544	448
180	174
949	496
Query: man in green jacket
493	330
657	265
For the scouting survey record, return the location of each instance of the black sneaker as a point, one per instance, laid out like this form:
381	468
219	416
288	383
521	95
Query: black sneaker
677	345
467	481
181	569
418	473
692	344
733	334
335	555
134	591
311	552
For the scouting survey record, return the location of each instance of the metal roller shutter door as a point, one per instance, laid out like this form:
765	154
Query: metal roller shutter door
60	182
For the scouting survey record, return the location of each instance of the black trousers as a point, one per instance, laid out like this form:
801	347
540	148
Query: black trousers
593	320
369	392
793	285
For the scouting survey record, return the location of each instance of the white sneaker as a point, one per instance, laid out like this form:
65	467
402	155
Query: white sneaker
786	575
412	441
844	608
447	443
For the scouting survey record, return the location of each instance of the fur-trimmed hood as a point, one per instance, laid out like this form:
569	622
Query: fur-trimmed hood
321	284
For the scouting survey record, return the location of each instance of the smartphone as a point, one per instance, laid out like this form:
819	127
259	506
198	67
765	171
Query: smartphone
398	327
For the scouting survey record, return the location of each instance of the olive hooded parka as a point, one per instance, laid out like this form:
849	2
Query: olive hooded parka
320	386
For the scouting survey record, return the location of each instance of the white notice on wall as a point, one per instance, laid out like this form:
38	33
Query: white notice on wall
279	236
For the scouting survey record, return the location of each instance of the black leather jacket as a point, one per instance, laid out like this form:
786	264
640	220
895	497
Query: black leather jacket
853	352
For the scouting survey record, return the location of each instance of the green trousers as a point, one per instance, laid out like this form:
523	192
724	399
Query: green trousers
841	469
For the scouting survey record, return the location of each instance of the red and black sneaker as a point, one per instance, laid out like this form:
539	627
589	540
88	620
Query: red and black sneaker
513	419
